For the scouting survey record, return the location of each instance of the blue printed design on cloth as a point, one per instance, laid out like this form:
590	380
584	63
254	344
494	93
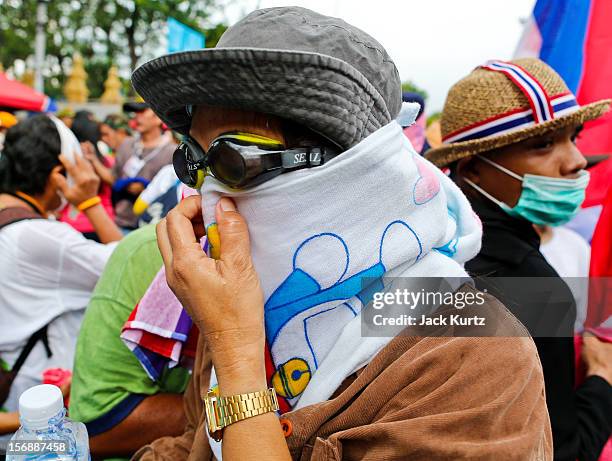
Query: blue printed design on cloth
300	294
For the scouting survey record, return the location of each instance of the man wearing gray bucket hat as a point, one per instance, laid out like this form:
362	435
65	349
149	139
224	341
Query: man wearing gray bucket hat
317	71
308	186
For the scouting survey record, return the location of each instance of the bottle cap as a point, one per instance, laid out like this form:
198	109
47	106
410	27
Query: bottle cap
40	403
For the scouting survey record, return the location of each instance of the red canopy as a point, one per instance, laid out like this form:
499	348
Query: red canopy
16	95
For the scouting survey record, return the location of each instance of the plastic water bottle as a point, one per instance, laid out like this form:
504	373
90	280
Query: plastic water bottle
46	433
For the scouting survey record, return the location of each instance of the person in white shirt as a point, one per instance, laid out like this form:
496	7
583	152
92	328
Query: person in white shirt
570	255
47	269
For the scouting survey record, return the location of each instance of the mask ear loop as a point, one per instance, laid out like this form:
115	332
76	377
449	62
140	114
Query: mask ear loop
512	174
486	194
500	168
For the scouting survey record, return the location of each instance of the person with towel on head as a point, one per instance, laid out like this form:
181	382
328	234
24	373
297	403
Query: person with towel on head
87	132
48	269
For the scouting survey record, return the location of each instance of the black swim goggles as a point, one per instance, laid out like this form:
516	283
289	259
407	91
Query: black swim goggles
243	160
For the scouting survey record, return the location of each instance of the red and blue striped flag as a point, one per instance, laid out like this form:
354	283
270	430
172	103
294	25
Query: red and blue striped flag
575	38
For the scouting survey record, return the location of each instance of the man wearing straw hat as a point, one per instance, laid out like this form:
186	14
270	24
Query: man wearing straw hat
509	131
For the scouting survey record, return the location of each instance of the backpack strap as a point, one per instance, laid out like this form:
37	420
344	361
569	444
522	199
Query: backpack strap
7	377
12	214
39	335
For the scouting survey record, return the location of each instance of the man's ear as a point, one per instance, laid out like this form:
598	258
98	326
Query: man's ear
54	180
468	167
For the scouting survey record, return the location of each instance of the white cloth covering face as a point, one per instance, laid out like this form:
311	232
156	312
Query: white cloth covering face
378	208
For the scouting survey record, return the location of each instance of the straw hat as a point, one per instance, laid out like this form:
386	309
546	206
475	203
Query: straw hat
502	103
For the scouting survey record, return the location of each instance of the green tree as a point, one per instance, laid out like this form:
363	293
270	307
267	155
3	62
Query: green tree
410	86
105	32
16	30
433	117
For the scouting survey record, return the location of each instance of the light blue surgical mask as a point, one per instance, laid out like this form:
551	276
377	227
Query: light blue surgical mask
543	200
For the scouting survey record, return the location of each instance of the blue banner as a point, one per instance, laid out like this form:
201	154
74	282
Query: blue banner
183	38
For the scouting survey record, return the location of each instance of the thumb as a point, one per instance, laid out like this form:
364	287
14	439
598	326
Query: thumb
68	165
233	233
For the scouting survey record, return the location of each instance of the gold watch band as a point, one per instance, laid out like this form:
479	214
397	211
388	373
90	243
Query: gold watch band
223	411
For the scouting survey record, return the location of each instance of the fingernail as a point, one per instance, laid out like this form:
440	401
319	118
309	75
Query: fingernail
227	204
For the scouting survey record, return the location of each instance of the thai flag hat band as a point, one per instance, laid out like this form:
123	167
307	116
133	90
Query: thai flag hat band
500	103
542	108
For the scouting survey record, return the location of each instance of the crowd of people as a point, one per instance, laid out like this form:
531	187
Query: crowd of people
197	266
67	199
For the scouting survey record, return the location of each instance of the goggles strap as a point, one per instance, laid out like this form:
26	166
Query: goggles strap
251	138
307	157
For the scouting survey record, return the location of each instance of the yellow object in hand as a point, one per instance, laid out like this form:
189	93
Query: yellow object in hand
140	206
214	241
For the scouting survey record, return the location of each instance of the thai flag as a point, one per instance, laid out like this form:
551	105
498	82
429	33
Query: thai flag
575	38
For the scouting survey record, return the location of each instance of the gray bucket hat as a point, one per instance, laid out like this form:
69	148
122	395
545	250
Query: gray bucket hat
291	62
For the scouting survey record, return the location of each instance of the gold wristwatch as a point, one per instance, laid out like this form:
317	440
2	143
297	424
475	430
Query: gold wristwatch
223	411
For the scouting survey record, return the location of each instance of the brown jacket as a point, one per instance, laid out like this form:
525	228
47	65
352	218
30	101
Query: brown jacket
420	398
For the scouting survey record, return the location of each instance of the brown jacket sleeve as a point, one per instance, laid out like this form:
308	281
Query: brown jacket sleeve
437	398
182	447
447	398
